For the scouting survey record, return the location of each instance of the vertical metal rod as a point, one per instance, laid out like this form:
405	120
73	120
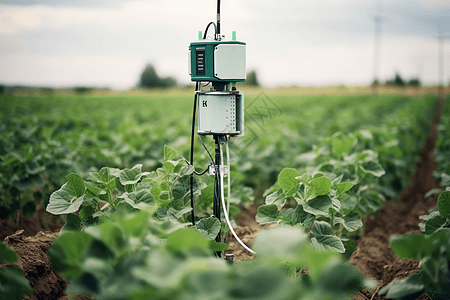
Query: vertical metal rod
216	202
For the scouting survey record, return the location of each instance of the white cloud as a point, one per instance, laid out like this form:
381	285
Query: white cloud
132	14
288	42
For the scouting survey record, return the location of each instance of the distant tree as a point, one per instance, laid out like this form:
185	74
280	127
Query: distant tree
375	82
414	82
150	79
2	89
397	81
252	78
83	90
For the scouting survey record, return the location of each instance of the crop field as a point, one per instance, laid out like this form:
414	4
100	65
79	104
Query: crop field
341	194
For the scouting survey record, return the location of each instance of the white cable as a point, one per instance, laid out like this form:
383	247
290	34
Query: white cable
225	210
228	178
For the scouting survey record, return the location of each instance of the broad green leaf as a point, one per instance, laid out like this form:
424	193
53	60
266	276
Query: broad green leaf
7	254
73	223
267	214
12	283
131	176
341	144
412	246
343	187
339	280
186	238
215	246
328	243
351	221
434	222
348	202
182	188
106	176
136	199
319	186
137	224
112	235
275	198
64	201
410	285
94	187
317	206
287	180
169	153
186	170
77	183
373	168
321	228
169	166
305	178
303	217
209	227
444	204
207	194
67	251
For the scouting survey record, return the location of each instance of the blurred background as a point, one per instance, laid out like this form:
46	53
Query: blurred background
99	43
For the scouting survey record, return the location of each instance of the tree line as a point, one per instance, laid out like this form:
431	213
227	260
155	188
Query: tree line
150	79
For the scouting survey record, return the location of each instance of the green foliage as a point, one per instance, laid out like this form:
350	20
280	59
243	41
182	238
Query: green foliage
83	90
434	252
150	79
433	249
252	78
22	163
397	81
99	195
137	256
414	82
12	283
328	203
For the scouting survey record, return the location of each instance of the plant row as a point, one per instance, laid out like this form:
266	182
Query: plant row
44	138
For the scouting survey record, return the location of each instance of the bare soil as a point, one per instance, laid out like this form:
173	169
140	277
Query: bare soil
373	255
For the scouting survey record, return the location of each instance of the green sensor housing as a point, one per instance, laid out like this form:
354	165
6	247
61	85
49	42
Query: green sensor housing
221	61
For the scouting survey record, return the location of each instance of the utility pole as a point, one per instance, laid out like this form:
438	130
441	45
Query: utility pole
377	49
441	39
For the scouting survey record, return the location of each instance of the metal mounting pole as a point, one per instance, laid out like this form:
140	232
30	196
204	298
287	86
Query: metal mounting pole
216	202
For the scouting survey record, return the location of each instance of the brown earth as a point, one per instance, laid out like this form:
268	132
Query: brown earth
373	255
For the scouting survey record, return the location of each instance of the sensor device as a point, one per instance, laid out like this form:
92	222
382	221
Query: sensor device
212	60
219	63
221	113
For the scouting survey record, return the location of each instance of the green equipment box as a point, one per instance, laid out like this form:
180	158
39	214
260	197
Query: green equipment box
212	60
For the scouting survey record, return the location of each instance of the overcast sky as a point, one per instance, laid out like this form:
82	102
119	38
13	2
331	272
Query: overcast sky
308	42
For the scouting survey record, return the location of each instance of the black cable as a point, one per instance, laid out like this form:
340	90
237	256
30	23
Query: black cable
192	151
195	172
207	27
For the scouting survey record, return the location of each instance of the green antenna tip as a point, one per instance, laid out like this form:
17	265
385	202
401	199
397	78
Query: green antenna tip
233	35
200	35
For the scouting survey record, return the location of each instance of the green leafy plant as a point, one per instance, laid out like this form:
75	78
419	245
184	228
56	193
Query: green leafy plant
138	256
22	168
99	195
432	249
324	206
12	283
